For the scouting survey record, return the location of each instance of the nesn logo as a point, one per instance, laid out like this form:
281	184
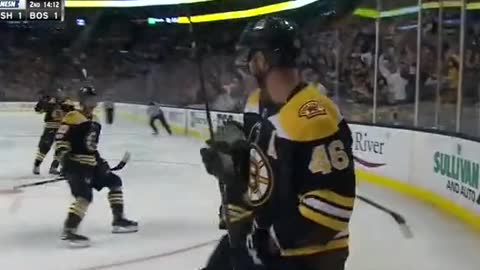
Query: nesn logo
9	3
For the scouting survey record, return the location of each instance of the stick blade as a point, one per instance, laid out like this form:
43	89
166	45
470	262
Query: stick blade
406	231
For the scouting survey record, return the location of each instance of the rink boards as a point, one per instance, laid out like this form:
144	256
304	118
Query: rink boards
437	169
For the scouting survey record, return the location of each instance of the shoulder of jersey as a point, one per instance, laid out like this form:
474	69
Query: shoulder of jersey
308	116
252	102
74	118
77	118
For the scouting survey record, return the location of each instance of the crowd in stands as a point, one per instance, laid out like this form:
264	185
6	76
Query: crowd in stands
140	63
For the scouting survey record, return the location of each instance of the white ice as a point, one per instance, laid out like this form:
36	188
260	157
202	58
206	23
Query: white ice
176	204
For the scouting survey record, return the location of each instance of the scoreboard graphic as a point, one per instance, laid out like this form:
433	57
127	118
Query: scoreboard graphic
32	10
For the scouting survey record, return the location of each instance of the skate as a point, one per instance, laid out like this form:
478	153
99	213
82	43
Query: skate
54	168
75	240
124	225
54	171
36	170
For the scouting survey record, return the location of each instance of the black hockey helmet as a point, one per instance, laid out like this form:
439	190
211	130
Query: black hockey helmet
277	38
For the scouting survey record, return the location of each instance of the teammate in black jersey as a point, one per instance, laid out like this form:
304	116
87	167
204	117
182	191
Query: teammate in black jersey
82	165
54	107
298	182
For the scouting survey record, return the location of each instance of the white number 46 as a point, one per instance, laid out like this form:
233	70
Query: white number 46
325	157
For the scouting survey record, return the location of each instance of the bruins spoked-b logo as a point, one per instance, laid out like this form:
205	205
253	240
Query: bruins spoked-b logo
260	183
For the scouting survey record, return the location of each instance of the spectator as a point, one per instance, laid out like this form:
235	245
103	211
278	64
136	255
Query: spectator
396	84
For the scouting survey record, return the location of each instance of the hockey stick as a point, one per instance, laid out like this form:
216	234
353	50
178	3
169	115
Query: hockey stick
198	60
399	219
119	166
122	163
222	186
54	180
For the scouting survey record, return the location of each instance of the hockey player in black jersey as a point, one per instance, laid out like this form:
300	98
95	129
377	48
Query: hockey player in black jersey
82	165
298	184
54	107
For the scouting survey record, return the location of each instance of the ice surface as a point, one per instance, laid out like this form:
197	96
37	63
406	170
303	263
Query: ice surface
176	204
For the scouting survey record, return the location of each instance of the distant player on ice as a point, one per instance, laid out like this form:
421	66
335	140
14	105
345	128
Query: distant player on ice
290	172
85	169
155	113
54	107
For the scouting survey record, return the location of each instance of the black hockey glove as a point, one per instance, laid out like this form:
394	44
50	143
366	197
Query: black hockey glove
227	162
227	158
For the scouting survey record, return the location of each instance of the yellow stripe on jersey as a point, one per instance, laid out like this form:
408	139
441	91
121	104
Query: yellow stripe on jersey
253	102
331	196
322	219
236	213
63	146
85	159
308	116
332	245
327	208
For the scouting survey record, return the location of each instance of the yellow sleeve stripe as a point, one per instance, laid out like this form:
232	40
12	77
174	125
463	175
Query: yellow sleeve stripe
322	219
236	208
330	196
236	213
329	209
332	245
62	144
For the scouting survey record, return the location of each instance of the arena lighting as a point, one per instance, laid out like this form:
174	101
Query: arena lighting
238	14
127	3
361	12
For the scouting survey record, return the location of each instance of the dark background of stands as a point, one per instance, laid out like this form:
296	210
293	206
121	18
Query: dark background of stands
130	61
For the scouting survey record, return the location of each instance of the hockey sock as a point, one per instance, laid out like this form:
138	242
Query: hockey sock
76	213
54	164
115	198
39	158
56	159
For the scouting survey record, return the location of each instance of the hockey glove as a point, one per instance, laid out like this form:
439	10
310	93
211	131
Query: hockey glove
227	162
227	157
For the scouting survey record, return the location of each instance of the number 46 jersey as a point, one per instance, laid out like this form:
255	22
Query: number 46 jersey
302	179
